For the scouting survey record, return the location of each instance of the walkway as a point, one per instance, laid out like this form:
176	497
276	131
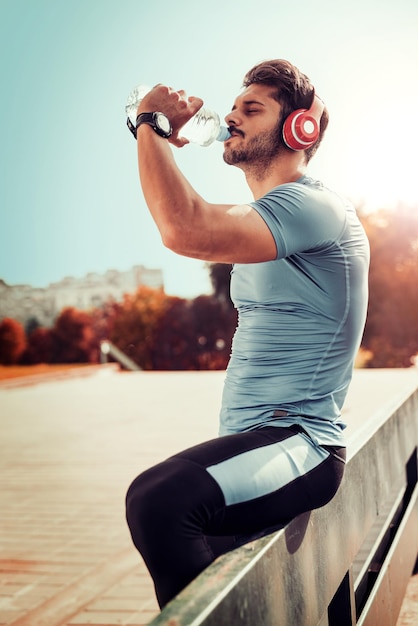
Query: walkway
69	448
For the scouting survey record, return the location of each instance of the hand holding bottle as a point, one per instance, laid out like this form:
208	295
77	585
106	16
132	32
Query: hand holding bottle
189	120
175	105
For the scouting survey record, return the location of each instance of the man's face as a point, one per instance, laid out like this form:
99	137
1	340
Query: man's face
254	126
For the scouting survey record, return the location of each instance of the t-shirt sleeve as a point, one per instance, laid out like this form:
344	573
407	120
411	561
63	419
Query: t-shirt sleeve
300	218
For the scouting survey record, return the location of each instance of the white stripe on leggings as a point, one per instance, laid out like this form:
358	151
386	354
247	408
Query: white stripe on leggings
261	471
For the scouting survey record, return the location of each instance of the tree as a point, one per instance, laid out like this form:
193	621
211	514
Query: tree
135	322
194	335
220	276
41	347
73	338
12	341
161	332
215	322
31	325
391	332
174	346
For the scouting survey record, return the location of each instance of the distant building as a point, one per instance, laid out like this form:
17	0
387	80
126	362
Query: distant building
22	302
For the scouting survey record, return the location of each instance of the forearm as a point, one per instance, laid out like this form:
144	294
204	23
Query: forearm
175	206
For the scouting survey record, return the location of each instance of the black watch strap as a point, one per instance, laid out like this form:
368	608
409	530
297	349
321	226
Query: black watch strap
154	120
131	127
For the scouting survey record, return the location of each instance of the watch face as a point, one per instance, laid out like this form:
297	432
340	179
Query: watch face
163	122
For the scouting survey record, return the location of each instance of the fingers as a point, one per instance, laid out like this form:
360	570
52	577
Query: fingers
195	104
180	95
177	141
178	107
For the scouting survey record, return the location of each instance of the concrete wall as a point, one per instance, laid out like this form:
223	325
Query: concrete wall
347	563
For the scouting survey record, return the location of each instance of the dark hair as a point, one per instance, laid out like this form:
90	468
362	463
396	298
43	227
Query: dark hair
292	89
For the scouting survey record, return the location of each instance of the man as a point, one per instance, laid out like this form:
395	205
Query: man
299	282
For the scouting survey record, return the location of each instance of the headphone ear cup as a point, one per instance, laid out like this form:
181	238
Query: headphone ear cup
300	130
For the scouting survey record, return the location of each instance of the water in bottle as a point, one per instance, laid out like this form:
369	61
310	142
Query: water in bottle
203	128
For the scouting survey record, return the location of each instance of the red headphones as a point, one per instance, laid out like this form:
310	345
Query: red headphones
301	128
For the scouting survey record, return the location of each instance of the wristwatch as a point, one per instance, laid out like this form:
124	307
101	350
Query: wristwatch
158	121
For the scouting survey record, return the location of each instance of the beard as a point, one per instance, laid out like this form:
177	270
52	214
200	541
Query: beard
258	153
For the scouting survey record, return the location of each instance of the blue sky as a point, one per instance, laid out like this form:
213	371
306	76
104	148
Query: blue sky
70	200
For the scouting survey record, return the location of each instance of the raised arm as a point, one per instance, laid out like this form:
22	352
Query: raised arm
188	224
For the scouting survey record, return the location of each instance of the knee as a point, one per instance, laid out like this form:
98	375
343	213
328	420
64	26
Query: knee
172	495
154	501
144	504
134	501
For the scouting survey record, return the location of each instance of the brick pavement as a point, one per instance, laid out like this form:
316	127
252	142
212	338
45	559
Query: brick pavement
68	451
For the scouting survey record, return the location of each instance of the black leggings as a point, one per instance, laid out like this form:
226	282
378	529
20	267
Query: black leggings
200	503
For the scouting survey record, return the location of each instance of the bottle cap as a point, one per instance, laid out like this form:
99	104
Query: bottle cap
223	134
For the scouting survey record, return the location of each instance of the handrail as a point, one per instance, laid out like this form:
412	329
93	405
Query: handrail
108	348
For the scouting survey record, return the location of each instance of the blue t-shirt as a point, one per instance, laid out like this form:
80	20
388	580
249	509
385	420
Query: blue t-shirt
301	316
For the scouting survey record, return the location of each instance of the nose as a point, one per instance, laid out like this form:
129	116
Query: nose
232	119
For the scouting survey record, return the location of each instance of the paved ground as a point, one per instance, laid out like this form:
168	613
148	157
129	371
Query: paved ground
68	450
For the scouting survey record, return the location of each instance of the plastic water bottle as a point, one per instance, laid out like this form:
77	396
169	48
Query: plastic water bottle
203	128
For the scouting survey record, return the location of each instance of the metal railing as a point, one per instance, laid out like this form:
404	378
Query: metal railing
107	348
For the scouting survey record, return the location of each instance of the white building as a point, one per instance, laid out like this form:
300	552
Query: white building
22	302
